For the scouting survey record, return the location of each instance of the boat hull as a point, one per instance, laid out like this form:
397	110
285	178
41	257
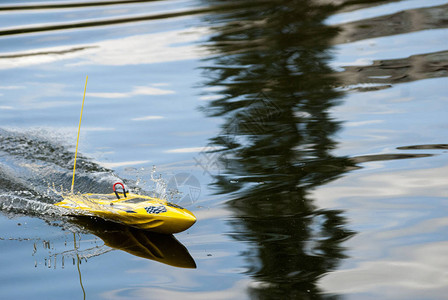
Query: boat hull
134	210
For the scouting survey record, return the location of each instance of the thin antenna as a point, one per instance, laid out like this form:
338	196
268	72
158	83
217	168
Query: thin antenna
79	129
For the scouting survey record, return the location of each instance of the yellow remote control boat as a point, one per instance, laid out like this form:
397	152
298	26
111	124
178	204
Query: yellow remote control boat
139	211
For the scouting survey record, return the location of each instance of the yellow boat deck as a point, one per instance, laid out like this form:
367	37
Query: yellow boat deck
139	211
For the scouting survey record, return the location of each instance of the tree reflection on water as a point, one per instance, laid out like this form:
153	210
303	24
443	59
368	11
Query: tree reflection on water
276	143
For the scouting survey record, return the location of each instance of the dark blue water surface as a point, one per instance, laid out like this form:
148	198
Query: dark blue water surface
308	137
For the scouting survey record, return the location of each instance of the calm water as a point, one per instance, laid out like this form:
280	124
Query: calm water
308	137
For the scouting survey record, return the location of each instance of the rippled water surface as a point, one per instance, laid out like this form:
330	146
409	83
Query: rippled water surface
308	137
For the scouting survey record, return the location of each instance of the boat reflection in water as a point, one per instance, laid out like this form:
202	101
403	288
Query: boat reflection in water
163	248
